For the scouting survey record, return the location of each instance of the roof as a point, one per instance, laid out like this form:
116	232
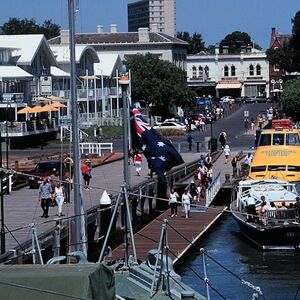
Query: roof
280	39
57	72
26	47
119	38
107	64
62	52
13	72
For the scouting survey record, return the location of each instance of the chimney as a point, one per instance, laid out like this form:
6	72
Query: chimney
144	35
100	29
273	31
113	28
154	27
64	37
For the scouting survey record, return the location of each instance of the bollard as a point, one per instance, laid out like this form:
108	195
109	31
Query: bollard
179	147
198	146
227	178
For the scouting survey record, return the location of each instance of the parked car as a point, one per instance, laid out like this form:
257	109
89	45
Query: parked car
258	99
227	99
171	125
243	99
43	169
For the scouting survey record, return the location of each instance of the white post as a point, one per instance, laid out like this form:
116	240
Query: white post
87	96
118	102
102	94
95	89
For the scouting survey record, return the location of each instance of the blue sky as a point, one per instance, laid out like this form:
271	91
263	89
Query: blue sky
214	19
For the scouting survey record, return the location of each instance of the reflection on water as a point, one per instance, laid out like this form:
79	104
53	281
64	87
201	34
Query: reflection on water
277	273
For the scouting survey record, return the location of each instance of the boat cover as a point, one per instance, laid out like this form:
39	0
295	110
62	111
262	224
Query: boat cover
63	282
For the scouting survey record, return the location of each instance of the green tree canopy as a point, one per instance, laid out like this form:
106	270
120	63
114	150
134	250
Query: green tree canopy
158	82
29	26
196	43
281	57
236	40
295	43
291	99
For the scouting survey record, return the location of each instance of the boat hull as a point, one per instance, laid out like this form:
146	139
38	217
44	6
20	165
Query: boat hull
279	237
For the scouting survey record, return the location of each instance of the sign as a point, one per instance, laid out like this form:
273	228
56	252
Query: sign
65	121
46	85
246	113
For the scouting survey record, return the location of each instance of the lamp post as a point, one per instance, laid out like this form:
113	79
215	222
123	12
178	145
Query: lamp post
211	135
2	202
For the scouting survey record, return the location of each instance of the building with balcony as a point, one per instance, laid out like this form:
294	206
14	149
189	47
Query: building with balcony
158	14
220	74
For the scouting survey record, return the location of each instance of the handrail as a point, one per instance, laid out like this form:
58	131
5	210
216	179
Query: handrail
95	148
213	189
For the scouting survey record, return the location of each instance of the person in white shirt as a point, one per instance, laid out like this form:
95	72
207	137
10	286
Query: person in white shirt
186	203
226	153
251	211
173	202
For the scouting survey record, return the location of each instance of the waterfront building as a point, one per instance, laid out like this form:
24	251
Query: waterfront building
158	15
222	73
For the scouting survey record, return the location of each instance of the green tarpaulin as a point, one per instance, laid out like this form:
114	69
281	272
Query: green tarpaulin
59	282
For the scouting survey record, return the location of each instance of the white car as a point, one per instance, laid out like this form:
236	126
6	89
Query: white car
171	125
227	99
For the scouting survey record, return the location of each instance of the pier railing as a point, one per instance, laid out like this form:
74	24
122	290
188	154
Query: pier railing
96	148
213	189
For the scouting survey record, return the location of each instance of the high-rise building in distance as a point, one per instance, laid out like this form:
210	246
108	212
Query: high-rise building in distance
157	15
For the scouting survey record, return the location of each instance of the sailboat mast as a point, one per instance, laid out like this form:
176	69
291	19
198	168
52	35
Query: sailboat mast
78	205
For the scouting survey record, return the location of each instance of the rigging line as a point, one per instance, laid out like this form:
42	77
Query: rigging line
190	268
41	290
295	298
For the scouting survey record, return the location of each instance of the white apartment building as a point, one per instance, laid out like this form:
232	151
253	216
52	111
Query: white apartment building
220	74
158	15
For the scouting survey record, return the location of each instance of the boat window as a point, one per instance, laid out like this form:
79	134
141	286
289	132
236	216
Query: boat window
294	168
265	140
292	139
278	139
276	168
258	169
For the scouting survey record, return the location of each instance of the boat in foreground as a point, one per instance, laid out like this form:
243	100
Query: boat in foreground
274	222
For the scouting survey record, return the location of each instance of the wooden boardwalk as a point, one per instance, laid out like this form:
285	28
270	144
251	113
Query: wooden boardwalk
191	230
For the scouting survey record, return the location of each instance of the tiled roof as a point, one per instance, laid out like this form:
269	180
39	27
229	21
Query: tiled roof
119	38
282	38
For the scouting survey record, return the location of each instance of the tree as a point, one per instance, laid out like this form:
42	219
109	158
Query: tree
196	44
236	40
158	82
295	43
281	57
26	26
291	98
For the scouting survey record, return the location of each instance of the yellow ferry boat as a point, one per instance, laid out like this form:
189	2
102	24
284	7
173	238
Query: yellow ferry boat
278	153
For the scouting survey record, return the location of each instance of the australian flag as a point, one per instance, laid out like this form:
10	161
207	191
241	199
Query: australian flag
160	153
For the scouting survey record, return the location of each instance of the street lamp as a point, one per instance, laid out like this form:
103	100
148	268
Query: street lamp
2	233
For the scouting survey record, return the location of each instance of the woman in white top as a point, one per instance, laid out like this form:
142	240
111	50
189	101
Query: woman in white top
59	196
226	153
173	202
186	202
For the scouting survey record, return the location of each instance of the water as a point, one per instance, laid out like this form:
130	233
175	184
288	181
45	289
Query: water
277	273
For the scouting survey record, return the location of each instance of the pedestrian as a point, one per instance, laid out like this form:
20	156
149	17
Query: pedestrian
54	180
137	161
260	121
246	122
193	192
190	140
67	187
186	202
208	161
59	196
226	153
45	192
173	202
252	124
86	170
68	164
248	159
222	138
234	162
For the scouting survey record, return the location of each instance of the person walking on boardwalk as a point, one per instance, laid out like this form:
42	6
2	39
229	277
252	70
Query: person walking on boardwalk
186	202
86	170
54	180
222	138
234	162
137	161
59	196
45	191
190	140
173	202
193	192
68	164
226	153
67	187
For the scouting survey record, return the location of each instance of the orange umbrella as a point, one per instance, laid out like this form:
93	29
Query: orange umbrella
54	98
48	107
58	104
25	110
37	109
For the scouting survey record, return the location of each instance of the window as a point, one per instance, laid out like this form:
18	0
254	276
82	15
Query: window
206	71
226	71
294	168
251	70
292	139
258	169
276	168
194	72
232	70
265	140
200	69
258	70
278	139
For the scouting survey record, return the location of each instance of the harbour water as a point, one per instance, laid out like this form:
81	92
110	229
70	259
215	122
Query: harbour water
277	273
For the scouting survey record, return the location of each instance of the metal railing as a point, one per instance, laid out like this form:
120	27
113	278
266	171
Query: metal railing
213	189
96	148
7	184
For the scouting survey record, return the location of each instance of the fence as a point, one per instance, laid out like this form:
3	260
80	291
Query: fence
7	184
96	148
213	189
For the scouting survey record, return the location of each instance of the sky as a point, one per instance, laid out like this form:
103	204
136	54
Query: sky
213	19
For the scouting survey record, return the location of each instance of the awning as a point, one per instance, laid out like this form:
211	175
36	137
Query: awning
233	85
57	72
13	72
